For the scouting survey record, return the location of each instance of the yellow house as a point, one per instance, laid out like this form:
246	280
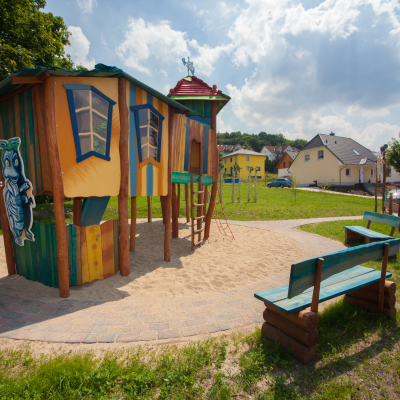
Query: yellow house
333	160
245	159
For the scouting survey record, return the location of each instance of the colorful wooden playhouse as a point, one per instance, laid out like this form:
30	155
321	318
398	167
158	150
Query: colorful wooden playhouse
90	135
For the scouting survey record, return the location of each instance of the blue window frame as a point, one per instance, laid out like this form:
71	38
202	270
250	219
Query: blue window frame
91	118
148	123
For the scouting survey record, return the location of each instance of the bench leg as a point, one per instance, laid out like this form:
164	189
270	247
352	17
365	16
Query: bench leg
350	236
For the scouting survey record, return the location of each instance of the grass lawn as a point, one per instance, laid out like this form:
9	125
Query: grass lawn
272	204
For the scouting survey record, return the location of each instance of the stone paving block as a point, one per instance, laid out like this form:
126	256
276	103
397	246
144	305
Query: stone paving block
117	322
91	338
149	335
169	334
109	315
12	324
101	329
99	322
228	317
224	326
39	336
42	327
75	338
32	310
207	329
3	320
257	318
59	328
107	338
159	327
128	337
59	313
80	321
82	329
140	328
153	320
32	318
119	329
46	312
57	337
23	335
26	302
190	331
50	306
177	325
195	322
9	334
12	315
97	315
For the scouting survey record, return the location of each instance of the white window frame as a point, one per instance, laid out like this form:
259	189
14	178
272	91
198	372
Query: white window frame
305	155
318	157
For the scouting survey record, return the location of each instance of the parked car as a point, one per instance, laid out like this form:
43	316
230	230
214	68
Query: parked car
280	182
396	195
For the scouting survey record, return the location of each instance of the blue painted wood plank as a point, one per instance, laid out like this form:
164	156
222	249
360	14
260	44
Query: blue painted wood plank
205	151
184	177
391	220
273	295
301	302
93	209
302	274
367	232
187	146
149	98
149	175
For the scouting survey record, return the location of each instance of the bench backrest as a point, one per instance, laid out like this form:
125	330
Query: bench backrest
391	220
302	274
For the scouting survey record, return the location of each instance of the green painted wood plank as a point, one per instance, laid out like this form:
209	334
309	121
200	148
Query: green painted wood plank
43	255
301	302
302	274
367	232
273	295
31	132
17	259
184	177
391	220
54	254
72	253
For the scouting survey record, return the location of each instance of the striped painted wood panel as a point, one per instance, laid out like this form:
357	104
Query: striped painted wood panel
391	220
107	244
19	117
367	232
116	244
179	143
302	274
94	252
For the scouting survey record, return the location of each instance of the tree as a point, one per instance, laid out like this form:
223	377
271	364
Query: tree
393	154
31	38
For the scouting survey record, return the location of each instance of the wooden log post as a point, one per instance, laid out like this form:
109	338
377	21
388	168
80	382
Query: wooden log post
132	242
7	235
206	199
77	211
233	186
124	264
240	180
317	286
255	185
215	166
58	186
149	209
248	191
383	277
389	301
168	202
163	202
175	214
187	202
390	203
369	306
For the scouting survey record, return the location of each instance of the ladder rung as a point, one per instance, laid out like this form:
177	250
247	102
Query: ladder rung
202	216
198	205
198	192
198	231
197	243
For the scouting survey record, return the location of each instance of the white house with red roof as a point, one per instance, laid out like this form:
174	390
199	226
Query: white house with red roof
272	152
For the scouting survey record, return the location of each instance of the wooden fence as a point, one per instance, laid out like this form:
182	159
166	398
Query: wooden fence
93	253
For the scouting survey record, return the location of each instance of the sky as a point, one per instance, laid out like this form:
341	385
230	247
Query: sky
291	67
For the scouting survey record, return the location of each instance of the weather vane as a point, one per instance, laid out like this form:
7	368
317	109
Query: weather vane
188	65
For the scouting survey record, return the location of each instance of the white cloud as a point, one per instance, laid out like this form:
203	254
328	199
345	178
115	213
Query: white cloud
79	48
222	126
166	45
87	5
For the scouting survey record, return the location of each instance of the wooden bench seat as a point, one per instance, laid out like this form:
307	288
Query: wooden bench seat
320	279
360	233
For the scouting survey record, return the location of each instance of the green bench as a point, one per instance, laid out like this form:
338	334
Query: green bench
320	279
360	233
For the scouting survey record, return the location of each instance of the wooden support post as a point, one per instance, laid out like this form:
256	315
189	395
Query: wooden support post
390	204
7	235
167	234
187	202
233	186
240	181
383	180
77	211
124	264
132	242
175	215
220	186
248	190
163	200
255	185
383	277
199	209
58	186
215	166
376	187
148	209
205	201
317	286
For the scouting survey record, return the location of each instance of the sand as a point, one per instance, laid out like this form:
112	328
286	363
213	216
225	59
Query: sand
221	264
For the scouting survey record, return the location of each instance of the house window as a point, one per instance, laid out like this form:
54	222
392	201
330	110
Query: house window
258	169
148	123
372	172
348	172
320	154
247	158
290	164
225	161
307	157
91	118
388	171
225	169
284	164
247	168
231	159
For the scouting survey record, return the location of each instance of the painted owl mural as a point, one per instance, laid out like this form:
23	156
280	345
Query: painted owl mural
18	197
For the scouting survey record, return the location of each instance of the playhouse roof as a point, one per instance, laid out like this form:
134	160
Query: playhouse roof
100	71
193	88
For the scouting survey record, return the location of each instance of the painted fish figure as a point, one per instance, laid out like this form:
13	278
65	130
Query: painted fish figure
18	202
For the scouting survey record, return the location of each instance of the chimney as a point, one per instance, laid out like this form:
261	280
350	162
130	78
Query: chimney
331	134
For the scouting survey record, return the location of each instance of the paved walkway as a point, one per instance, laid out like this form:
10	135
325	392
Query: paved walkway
70	321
